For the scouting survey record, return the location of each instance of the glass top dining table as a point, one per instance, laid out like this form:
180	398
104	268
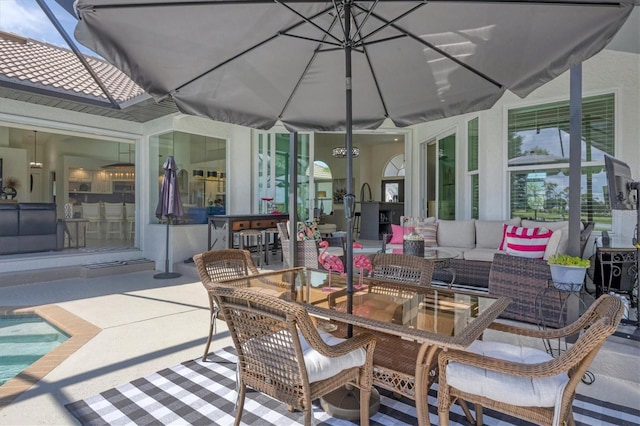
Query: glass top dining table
412	323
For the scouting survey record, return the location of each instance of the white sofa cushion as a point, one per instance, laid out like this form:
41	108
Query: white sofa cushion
481	254
553	246
489	232
521	391
543	224
555	225
457	233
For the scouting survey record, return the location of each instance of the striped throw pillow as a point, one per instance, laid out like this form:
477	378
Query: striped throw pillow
429	232
508	229
528	242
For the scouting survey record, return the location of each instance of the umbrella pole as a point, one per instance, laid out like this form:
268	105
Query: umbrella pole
344	402
166	274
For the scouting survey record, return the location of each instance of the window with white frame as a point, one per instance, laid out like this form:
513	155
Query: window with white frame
538	160
393	180
472	166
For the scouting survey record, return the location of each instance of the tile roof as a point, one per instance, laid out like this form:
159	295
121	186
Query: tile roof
41	64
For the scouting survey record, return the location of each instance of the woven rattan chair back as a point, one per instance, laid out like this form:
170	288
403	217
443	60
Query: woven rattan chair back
217	265
597	323
266	332
402	268
307	250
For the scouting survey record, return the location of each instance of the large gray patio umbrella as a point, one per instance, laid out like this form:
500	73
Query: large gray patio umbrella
344	65
169	208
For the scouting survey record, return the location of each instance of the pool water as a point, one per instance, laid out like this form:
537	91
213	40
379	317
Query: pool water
23	340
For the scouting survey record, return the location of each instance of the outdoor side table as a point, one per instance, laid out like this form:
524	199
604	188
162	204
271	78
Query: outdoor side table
76	232
563	291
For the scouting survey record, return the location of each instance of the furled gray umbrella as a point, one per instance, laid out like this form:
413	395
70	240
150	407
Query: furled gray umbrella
344	64
169	207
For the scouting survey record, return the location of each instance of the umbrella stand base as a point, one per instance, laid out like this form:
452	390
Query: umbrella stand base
166	275
344	403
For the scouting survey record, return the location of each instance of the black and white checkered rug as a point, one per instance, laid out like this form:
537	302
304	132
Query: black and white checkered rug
203	393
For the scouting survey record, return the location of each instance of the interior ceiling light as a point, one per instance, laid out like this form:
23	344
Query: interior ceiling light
35	164
341	152
121	168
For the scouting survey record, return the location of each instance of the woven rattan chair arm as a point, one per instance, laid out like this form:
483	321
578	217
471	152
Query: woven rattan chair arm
544	369
365	340
549	333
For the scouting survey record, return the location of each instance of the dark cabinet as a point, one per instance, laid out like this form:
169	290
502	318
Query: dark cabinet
376	219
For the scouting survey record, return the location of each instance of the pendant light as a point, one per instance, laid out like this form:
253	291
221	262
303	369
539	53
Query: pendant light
121	169
35	164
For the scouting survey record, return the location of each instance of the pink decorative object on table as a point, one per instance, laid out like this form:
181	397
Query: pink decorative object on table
329	262
361	262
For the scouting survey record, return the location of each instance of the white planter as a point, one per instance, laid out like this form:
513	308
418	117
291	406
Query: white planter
569	278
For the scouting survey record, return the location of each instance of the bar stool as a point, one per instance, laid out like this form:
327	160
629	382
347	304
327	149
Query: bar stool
247	234
356	223
271	234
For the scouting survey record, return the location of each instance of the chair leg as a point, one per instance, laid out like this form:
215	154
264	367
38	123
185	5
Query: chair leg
240	403
206	348
467	411
479	419
443	418
365	398
307	416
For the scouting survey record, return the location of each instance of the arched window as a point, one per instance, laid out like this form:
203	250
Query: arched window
393	180
395	167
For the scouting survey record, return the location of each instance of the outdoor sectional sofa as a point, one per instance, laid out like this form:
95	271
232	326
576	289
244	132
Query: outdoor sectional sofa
29	227
480	263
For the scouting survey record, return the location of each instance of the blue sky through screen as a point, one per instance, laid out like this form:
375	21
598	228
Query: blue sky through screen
25	18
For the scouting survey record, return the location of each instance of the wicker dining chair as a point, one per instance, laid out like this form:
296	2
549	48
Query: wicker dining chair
524	382
217	265
307	250
402	268
281	354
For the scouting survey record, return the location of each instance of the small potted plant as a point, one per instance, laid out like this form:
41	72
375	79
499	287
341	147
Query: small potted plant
10	189
568	272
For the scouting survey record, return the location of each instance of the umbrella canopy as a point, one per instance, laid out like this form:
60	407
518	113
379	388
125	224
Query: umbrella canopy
169	203
258	61
344	64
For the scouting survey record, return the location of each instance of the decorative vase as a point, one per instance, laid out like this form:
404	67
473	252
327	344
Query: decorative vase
413	244
569	278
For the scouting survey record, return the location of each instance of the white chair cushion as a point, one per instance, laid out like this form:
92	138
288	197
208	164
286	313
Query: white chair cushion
503	387
320	367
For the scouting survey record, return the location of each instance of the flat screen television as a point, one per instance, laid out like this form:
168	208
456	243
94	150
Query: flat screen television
622	192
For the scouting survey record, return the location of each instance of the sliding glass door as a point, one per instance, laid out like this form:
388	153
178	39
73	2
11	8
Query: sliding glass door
438	176
273	178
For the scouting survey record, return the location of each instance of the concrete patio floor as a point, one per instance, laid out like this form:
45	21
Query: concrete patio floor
149	324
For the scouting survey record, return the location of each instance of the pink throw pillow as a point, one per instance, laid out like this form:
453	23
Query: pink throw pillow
397	235
528	242
512	228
